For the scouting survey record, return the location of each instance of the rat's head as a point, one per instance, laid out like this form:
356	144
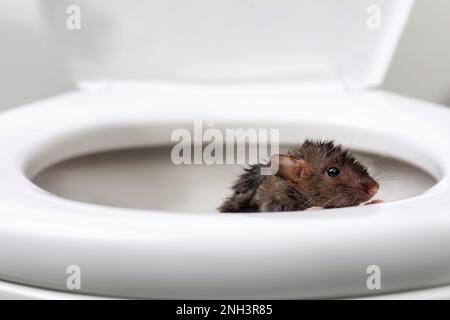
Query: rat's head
327	175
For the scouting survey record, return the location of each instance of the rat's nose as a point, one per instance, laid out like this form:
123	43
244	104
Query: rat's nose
372	190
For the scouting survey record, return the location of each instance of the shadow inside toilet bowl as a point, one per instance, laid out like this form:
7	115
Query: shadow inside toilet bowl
146	178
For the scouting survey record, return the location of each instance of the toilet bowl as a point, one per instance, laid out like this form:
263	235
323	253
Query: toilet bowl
141	74
126	252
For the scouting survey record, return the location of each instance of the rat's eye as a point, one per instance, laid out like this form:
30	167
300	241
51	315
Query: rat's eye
333	172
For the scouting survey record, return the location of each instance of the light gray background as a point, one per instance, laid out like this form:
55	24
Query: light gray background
31	69
421	65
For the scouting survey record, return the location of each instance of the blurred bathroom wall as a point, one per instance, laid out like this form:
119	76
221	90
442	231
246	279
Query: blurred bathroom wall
421	64
30	66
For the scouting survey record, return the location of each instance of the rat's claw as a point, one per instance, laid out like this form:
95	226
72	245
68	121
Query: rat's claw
314	208
376	201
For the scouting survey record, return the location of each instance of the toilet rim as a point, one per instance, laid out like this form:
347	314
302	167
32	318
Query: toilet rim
32	213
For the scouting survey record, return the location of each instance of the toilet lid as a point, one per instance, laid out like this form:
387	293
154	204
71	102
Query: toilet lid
323	41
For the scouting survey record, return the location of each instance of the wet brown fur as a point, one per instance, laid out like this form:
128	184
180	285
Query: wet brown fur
253	192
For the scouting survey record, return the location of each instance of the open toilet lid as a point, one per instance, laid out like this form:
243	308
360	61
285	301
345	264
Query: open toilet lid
346	42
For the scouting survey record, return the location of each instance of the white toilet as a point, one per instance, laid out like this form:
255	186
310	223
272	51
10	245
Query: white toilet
147	70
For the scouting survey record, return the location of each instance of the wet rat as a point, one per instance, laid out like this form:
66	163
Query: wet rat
315	175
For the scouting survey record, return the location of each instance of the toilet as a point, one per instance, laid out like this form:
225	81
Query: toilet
144	71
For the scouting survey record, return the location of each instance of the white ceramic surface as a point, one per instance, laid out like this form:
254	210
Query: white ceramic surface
126	252
234	41
143	253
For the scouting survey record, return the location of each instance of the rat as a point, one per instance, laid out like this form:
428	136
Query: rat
315	175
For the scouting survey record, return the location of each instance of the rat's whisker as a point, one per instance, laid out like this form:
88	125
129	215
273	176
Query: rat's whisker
309	202
329	201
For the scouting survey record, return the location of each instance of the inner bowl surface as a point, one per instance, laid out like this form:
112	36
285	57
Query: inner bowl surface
147	178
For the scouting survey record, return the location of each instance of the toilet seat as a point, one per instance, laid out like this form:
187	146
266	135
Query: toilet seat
149	254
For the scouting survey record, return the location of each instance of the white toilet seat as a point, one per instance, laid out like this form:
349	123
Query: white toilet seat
135	253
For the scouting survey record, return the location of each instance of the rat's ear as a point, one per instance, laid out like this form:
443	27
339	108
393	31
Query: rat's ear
287	167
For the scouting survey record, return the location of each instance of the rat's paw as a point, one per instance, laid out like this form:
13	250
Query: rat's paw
314	208
376	201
